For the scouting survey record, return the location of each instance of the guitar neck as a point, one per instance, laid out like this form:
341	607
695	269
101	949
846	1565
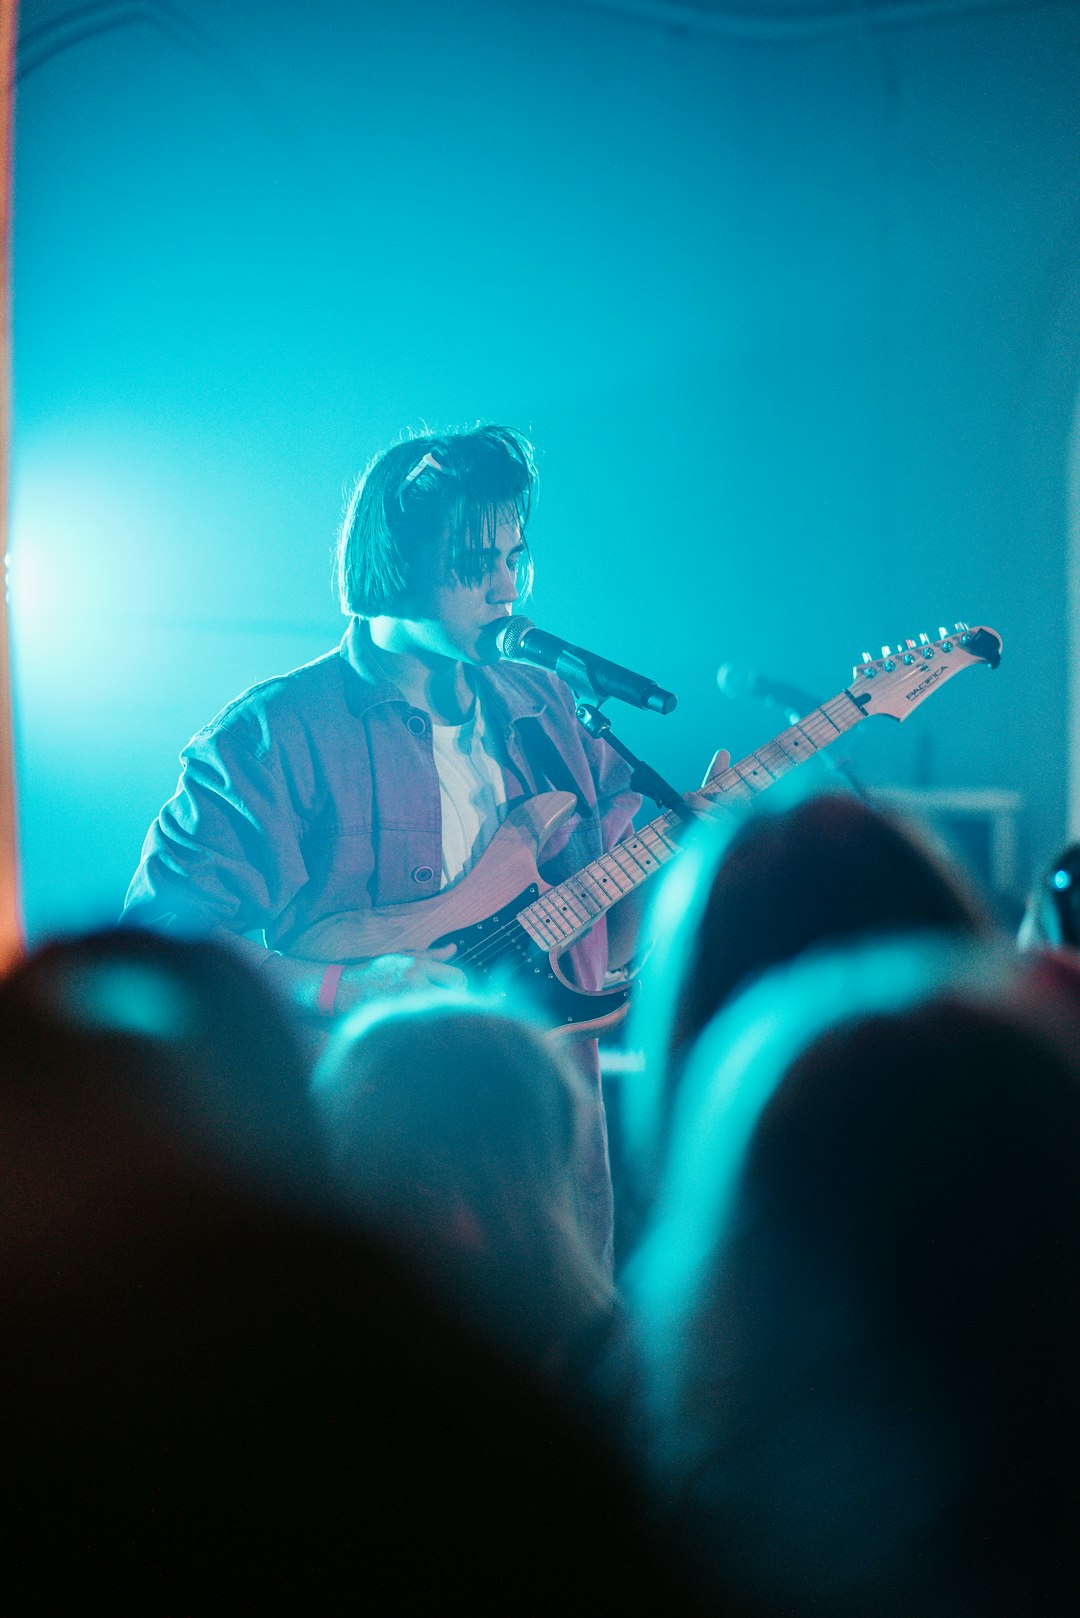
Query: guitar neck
567	911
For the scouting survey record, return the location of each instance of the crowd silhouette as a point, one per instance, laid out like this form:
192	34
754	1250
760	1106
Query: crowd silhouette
280	1333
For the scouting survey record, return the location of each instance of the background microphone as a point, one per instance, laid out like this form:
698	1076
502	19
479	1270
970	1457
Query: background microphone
587	675
743	685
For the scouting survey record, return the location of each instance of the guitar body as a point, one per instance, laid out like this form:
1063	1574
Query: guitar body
477	916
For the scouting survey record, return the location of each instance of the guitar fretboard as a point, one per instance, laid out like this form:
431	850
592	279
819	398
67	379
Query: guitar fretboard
565	912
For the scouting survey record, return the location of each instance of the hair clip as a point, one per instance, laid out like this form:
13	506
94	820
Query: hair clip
428	460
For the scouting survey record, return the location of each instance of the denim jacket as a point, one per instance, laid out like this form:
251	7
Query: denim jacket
315	794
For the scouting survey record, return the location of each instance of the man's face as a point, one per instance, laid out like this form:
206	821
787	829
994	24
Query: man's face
442	615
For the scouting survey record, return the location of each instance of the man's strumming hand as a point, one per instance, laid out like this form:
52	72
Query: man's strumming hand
702	805
387	975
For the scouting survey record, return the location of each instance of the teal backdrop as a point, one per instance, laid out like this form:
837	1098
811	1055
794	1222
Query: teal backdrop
787	297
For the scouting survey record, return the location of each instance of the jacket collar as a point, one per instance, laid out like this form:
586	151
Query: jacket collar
507	691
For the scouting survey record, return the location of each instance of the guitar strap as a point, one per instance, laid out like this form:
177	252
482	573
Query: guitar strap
551	769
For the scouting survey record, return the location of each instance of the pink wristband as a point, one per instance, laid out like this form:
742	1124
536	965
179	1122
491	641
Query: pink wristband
328	989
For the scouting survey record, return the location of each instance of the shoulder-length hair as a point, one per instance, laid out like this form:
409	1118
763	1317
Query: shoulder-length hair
416	491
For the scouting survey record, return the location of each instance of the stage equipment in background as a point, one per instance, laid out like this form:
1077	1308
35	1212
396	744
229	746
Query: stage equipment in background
977	824
747	685
1063	888
587	675
507	925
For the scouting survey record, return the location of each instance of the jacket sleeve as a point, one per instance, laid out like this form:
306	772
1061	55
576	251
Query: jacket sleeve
225	851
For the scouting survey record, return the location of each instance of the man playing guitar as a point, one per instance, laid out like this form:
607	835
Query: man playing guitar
378	774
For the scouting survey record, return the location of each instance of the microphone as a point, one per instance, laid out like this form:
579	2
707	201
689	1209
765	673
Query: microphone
748	685
521	641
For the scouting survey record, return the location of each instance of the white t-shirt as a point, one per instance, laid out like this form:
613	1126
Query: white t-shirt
472	792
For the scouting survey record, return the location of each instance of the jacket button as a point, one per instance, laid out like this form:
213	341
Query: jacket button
423	873
417	724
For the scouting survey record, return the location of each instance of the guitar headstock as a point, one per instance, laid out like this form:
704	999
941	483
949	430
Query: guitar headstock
902	677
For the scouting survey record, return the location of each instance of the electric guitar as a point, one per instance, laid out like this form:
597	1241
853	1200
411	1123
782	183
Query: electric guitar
508	925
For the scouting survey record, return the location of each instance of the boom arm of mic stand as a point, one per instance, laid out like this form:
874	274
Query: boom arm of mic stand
643	778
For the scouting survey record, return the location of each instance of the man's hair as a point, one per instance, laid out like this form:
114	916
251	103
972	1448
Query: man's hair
412	493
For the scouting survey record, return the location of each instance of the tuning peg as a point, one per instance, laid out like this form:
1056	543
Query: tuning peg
960	626
924	640
866	657
942	632
885	652
910	644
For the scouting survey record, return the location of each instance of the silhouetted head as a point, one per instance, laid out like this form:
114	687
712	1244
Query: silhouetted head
858	1300
454	1128
811	874
177	1041
829	868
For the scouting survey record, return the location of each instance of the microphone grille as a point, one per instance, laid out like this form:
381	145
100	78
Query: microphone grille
512	634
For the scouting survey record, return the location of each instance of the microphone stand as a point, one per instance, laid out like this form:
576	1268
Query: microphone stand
585	684
643	778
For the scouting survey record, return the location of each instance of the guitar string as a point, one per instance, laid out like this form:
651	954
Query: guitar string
488	948
494	944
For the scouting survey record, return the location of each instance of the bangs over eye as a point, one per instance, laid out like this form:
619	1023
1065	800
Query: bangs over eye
476	553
